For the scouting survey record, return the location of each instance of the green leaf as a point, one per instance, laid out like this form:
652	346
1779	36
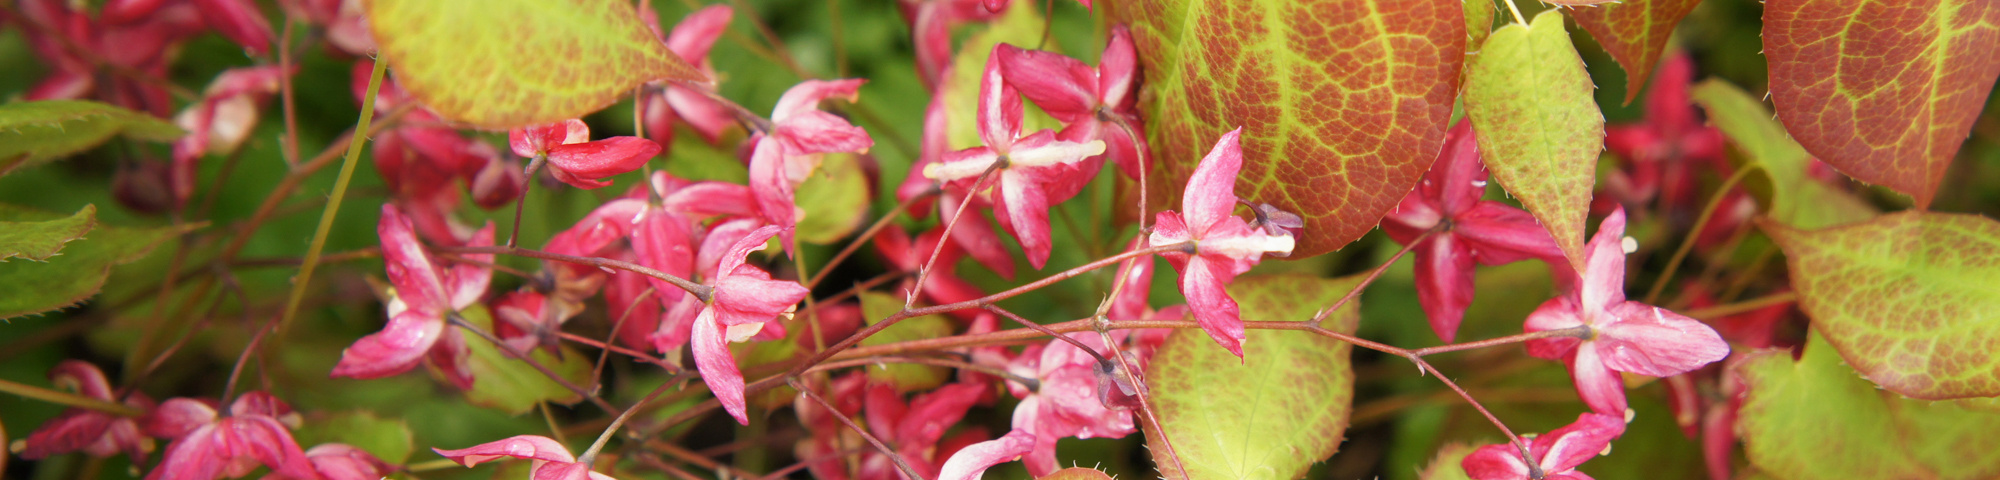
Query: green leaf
386	439
1911	299
502	382
33	133
835	200
508	63
1343	103
1634	32
1539	130
1884	91
1448	465
76	274
1798	200
1076	473
1813	419
876	306
40	240
1271	414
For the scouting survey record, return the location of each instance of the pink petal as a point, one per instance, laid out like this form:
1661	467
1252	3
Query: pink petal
197	456
532	447
1169	229
1495	462
260	403
1213	309
334	461
269	442
976	236
1027	212
1501	234
662	242
1456	179
805	97
635	311
582	164
720	243
931	31
932	413
73	430
743	299
1667	105
1444	282
1116	68
707	199
705	115
410	267
466	282
498	184
1555	314
532	141
718	368
769	184
449	356
999	118
1137	283
1600	387
814	131
885	409
1565	448
1211	190
1062	86
698	31
127	11
1652	341
394	350
971	462
239	21
1604	264
178	416
751	242
83	377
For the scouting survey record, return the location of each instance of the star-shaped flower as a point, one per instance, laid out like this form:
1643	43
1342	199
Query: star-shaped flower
1464	231
1093	103
1556	454
791	146
1618	335
743	299
207	445
426	292
1222	244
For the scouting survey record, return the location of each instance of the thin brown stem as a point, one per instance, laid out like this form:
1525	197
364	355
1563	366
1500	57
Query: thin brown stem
298	176
291	146
1719	311
702	292
1579	331
1101	361
641	356
944	238
884	448
70	399
1372	275
932	361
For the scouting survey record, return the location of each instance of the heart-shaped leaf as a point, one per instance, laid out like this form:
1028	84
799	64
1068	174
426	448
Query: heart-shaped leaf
1634	32
1272	413
33	133
1813	419
1884	91
1797	200
1343	103
1911	299
39	240
508	63
1539	130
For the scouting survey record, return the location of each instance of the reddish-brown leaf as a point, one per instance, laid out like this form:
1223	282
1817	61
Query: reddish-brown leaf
1634	32
1343	102
1884	91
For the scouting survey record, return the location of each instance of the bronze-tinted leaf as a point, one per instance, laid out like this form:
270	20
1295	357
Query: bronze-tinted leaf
1634	32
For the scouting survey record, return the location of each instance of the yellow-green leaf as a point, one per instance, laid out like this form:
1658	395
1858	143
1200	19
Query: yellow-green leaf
386	439
1911	299
1539	130
1448	464
39	240
876	306
1634	32
33	133
1272	413
1797	199
508	63
835	200
508	384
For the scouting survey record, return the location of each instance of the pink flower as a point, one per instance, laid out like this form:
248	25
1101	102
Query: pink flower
1556	454
743	299
691	40
1093	104
1464	230
930	29
552	461
1035	171
790	148
336	461
574	159
1223	245
208	446
97	433
1070	400
426	292
139	43
1621	335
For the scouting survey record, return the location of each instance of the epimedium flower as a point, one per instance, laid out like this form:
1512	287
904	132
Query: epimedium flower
552	461
1071	399
1093	103
690	39
1617	335
208	445
576	160
1220	245
916	428
97	433
790	147
426	292
1556	455
742	299
1463	231
1027	168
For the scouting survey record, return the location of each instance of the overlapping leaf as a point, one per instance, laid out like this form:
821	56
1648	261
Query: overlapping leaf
1812	419
39	240
1343	103
508	63
1797	200
76	274
1539	129
1911	299
1634	32
1884	91
33	133
1271	414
